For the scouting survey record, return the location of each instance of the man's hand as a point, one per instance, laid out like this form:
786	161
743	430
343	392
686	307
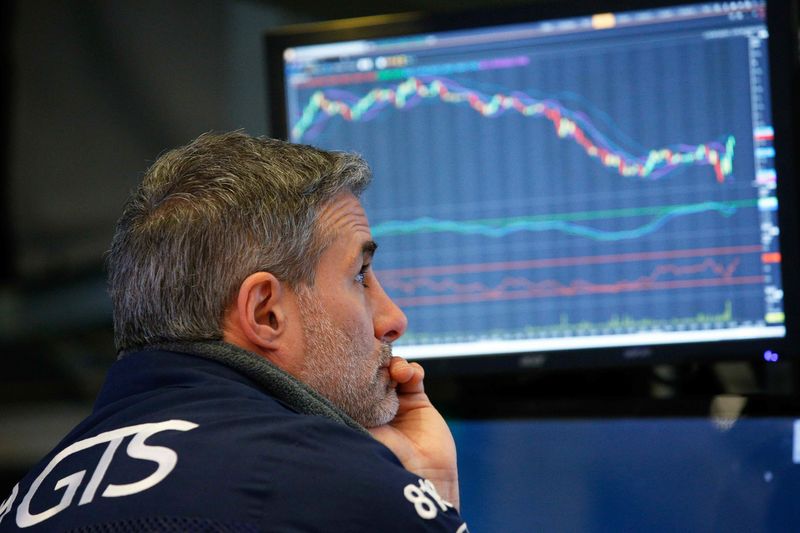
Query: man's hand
418	435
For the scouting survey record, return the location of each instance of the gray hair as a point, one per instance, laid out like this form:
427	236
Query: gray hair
209	214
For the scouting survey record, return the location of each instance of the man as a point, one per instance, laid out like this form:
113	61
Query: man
255	348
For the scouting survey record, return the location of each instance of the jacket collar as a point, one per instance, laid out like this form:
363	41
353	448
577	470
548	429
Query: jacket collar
267	376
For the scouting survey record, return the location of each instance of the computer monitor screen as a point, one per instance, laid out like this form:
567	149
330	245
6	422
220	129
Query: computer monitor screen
585	187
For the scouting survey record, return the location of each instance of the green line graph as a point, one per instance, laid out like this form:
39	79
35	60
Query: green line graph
563	222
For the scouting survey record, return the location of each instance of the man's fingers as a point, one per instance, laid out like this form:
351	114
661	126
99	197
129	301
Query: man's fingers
408	376
400	370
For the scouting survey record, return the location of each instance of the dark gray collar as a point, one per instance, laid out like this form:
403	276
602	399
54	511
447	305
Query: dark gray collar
270	378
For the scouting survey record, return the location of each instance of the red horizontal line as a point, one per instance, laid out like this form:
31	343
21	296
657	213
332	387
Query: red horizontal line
447	285
567	261
566	291
338	79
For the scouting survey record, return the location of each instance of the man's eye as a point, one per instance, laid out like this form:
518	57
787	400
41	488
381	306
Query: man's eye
361	277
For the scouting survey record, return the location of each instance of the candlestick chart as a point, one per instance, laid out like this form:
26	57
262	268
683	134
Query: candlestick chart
324	105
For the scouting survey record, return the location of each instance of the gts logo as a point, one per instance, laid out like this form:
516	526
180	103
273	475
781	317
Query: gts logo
165	458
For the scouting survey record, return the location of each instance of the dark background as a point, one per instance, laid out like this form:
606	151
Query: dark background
94	92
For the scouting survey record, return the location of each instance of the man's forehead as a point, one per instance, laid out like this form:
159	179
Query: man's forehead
343	214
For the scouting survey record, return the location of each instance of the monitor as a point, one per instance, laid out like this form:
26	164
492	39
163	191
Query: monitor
562	185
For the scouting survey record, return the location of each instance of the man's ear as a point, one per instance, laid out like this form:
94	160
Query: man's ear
261	310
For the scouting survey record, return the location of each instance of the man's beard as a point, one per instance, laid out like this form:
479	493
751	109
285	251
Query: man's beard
349	376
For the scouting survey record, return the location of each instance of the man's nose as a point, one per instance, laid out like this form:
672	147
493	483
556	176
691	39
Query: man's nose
389	320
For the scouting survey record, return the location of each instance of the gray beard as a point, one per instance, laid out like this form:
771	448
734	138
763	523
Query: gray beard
334	369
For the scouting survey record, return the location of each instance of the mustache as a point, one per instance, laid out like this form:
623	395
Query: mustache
385	354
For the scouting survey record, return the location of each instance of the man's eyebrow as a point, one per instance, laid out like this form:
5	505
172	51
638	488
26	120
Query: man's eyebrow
368	248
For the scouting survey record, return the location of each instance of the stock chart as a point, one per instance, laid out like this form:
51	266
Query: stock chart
581	188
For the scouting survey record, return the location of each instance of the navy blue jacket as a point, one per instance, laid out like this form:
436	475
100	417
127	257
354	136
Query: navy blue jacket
211	439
